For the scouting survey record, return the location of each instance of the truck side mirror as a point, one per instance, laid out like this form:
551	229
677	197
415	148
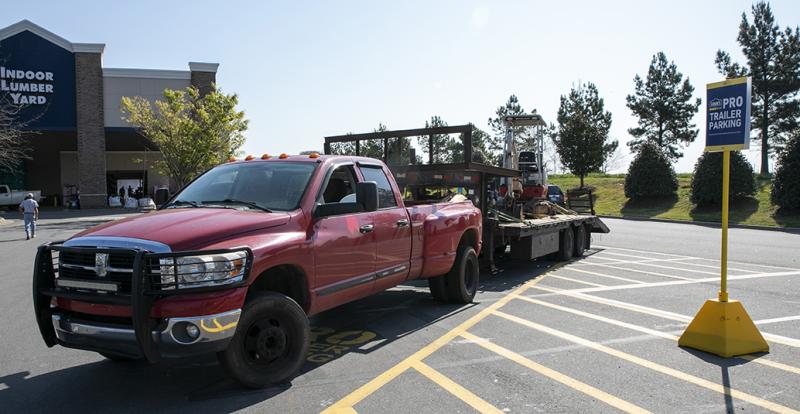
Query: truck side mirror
367	195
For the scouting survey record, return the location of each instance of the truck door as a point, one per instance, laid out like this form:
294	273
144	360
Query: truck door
392	231
344	245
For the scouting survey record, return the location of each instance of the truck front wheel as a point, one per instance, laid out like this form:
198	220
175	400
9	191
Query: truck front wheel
438	288
462	281
270	343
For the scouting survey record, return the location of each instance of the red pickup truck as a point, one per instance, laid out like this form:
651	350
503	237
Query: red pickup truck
237	261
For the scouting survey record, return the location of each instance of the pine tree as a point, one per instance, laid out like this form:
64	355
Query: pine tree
773	62
786	185
663	103
524	140
583	124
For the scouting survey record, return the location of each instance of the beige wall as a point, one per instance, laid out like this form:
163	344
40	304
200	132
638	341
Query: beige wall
114	88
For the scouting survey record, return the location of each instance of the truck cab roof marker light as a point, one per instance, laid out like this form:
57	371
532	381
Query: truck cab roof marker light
283	156
232	159
249	158
265	156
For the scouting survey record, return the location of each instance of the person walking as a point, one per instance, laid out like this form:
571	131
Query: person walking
30	213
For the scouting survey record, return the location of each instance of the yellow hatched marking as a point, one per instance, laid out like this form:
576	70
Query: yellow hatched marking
638	328
457	390
557	376
376	383
651	365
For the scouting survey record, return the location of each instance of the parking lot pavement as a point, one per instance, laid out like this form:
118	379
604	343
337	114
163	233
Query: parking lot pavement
596	334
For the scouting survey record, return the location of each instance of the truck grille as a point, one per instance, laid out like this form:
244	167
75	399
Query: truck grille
84	265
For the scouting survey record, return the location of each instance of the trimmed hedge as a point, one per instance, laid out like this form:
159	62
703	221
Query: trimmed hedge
707	178
650	174
786	184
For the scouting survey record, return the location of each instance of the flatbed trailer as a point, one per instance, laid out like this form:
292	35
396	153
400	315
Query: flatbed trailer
427	179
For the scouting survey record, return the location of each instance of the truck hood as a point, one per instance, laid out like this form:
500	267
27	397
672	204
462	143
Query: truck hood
188	228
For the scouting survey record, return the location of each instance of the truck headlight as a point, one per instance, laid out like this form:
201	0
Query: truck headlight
202	270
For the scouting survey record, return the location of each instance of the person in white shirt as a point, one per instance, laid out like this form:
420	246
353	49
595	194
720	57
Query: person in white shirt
30	213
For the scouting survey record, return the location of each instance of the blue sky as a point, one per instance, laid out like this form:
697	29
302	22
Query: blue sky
304	70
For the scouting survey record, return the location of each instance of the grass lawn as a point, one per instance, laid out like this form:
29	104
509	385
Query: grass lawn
610	200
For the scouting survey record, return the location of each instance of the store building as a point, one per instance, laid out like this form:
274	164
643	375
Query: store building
77	136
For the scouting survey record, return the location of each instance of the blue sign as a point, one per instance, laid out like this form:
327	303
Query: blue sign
728	115
39	76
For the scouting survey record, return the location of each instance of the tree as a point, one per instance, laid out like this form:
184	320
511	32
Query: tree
445	148
707	178
650	174
773	62
372	148
583	124
663	103
522	137
12	143
550	156
615	159
193	132
786	185
481	151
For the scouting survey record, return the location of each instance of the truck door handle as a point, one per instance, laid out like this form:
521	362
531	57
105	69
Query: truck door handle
402	223
366	228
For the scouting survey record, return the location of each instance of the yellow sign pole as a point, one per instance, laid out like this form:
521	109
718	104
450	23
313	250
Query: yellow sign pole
723	268
723	327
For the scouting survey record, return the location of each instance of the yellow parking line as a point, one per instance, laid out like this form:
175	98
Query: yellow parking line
370	387
577	281
578	294
753	358
557	376
457	390
651	365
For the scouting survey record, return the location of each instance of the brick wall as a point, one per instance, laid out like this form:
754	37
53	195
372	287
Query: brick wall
91	131
203	81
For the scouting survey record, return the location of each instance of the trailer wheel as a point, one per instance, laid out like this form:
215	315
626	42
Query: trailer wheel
580	240
438	288
270	343
566	245
462	281
588	237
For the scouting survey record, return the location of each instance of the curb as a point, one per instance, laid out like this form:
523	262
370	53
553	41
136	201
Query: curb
792	230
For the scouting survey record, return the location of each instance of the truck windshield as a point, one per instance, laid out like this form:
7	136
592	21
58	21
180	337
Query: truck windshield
258	185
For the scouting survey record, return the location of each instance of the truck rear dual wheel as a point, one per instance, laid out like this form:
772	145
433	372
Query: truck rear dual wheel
460	284
270	343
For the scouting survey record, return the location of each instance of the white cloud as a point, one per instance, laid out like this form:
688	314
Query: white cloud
480	16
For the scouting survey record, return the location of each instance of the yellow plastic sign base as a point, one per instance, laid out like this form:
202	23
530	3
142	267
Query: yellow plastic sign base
724	329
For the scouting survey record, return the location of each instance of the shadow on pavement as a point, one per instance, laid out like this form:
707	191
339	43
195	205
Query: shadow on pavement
724	364
200	383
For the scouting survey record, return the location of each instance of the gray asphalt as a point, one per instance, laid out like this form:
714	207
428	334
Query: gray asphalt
658	293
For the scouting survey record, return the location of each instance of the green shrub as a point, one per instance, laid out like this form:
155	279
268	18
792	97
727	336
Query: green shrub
650	174
786	185
707	178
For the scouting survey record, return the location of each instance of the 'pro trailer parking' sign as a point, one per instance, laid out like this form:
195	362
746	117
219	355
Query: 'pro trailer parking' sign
728	115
